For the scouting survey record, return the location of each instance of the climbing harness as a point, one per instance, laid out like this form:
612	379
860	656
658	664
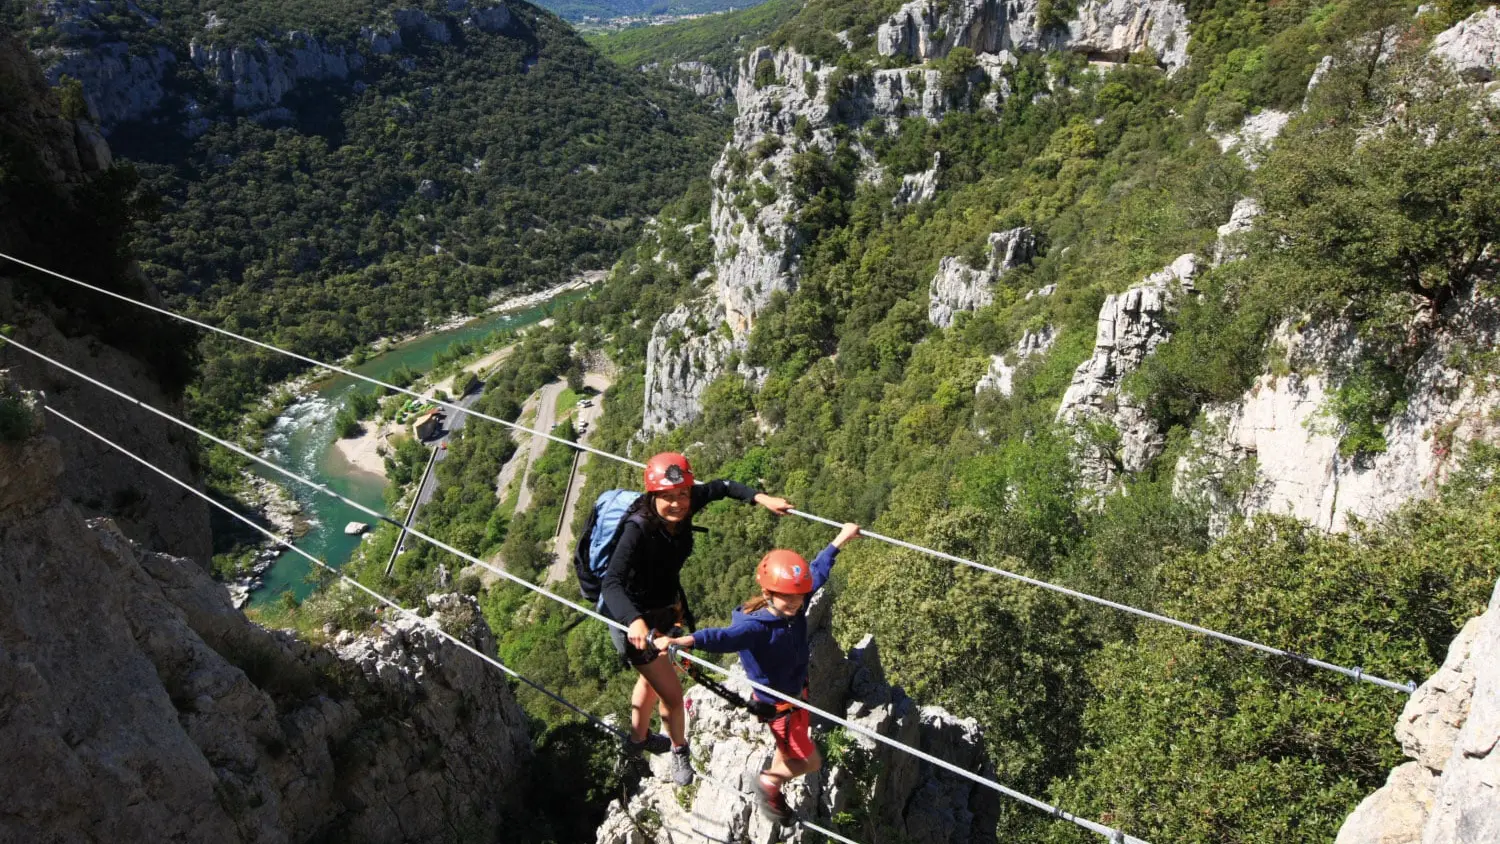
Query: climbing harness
766	712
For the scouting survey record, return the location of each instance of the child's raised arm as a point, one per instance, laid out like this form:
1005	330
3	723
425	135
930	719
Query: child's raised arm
848	532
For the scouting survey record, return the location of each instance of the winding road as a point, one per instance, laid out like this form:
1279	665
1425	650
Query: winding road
563	544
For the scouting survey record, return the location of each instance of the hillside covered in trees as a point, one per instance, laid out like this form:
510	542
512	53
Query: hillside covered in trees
321	175
1333	176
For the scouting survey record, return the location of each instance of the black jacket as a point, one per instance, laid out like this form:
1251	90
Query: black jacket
644	567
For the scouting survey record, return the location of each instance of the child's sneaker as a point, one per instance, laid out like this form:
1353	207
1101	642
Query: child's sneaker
772	802
682	765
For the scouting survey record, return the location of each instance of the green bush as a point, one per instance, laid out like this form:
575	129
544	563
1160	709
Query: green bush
16	419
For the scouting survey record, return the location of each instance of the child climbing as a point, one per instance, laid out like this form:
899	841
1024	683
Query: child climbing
770	633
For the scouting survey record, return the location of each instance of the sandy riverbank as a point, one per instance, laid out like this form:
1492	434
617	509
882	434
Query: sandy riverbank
363	453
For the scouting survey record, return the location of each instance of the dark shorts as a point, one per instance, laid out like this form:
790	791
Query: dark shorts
661	620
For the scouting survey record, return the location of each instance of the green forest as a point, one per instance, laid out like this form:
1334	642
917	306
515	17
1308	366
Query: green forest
869	414
395	199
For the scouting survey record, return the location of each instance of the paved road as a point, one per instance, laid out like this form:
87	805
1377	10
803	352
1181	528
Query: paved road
428	487
563	546
546	417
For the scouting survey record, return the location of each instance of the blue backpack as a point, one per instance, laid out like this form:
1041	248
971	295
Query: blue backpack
597	542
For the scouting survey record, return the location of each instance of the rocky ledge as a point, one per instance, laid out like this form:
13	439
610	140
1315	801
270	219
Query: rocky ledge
1450	792
141	705
893	795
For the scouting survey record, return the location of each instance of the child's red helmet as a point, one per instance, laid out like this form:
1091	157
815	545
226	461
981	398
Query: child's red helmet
784	571
668	470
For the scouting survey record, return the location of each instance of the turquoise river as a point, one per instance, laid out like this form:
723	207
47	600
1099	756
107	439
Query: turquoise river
302	440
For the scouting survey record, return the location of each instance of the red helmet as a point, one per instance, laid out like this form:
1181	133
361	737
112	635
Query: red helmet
784	571
668	470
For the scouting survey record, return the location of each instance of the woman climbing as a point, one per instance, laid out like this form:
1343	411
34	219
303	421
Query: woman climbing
770	632
641	589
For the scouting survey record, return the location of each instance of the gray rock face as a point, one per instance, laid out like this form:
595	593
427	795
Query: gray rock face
703	79
906	798
1281	424
1131	326
919	187
1255	136
1450	794
142	706
117	85
686	353
258	77
1472	47
959	287
753	213
121	86
1229	246
1002	373
1109	30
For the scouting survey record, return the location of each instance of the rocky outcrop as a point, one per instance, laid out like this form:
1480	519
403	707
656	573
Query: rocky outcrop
1107	30
686	353
1472	47
959	287
919	187
1115	434
1230	245
1281	431
118	84
1450	793
1002	372
903	798
1255	136
140	705
703	79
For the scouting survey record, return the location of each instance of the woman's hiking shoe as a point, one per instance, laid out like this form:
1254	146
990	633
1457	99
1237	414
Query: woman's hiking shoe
682	765
772	802
655	743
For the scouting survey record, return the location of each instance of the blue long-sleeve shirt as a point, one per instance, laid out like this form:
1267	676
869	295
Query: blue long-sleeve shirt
773	649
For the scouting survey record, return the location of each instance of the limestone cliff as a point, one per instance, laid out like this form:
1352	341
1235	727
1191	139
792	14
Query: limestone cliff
123	82
140	705
1450	792
788	104
1103	30
59	176
1283	433
887	795
960	287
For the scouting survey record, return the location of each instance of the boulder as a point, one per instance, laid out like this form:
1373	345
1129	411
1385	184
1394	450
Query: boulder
1472	46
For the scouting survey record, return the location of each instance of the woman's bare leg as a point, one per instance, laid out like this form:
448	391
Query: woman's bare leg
642	700
663	684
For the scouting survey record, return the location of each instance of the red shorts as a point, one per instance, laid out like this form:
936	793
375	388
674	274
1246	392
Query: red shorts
792	736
